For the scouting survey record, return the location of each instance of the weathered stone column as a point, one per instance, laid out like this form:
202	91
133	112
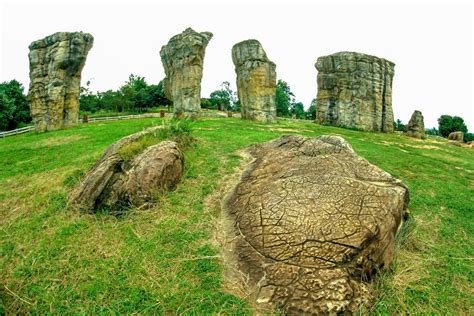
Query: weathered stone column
56	63
183	59
355	90
416	126
256	81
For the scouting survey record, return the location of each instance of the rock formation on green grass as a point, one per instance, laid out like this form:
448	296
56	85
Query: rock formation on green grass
312	224
355	90
56	63
416	126
116	183
456	136
256	81
183	59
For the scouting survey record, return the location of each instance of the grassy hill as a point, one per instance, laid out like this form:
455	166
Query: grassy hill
55	260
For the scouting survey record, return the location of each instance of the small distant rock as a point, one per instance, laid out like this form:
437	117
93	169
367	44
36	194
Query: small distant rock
456	136
416	126
115	184
313	223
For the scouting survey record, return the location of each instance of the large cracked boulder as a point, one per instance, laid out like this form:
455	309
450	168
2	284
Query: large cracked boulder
183	59
355	90
116	184
256	81
416	126
56	63
312	223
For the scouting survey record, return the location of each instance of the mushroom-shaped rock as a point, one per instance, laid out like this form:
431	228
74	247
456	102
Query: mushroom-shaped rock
312	223
116	184
183	59
416	126
355	90
56	63
256	81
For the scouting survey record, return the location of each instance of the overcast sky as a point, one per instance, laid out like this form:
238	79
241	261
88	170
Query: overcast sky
431	44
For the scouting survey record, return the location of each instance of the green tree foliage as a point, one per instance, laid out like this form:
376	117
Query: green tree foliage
136	95
432	131
448	124
223	99
297	110
468	137
284	98
399	126
311	113
14	109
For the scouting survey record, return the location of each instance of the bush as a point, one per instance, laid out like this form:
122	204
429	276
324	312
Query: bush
14	108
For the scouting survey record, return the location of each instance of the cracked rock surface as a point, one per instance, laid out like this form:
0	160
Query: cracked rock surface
116	184
355	90
56	63
256	81
183	59
312	222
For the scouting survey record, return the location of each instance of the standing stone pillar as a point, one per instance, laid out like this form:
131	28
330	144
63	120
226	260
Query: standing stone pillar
56	63
183	59
416	126
256	81
355	90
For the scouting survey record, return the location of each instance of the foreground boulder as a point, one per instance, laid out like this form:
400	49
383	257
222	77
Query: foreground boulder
355	90
183	59
56	63
456	136
312	223
115	184
256	81
416	126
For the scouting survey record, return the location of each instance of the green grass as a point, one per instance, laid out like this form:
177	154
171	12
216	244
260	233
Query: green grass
164	260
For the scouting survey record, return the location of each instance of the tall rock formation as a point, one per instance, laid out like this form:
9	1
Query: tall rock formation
416	126
183	59
256	81
355	90
56	63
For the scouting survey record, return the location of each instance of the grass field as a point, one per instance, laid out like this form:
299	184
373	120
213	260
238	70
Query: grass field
164	260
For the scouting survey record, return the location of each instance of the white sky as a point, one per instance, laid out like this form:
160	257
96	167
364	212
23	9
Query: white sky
431	44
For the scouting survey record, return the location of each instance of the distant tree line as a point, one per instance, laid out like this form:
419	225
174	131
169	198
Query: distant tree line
135	96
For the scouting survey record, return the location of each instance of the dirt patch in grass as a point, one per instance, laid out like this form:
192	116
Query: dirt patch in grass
58	141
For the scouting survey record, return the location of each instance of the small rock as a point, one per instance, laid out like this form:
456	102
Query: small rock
456	136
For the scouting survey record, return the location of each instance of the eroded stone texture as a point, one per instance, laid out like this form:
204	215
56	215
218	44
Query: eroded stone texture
256	81
456	136
355	90
313	222
116	184
56	63
183	59
416	126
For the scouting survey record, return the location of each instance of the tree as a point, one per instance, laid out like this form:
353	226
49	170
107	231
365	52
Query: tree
448	124
399	126
297	109
223	99
284	98
311	113
14	108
